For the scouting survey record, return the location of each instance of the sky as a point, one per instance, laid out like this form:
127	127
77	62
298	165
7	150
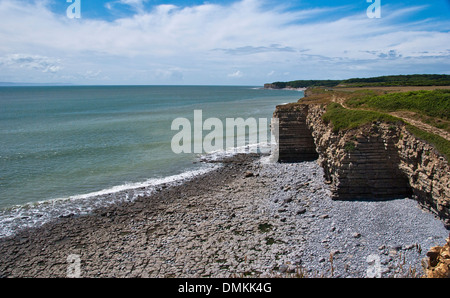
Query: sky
216	42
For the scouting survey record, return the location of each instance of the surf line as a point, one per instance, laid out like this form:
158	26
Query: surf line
182	142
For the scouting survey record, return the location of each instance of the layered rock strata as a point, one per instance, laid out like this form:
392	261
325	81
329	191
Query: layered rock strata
428	172
375	161
296	142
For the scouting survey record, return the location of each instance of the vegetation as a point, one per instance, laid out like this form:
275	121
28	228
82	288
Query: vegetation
438	142
306	83
265	227
430	103
343	119
349	146
366	106
398	80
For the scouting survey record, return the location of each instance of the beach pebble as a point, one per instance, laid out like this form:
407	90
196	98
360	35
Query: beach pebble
225	225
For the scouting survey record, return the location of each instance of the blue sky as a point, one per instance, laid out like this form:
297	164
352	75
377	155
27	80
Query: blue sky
242	42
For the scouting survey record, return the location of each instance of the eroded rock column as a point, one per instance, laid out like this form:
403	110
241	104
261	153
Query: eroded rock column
295	138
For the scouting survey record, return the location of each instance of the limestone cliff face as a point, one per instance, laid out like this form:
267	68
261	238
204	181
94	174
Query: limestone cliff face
296	142
428	172
271	86
375	161
360	163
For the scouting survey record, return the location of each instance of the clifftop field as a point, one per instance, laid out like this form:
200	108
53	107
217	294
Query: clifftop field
426	112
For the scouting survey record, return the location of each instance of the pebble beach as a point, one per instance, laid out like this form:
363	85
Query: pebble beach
250	217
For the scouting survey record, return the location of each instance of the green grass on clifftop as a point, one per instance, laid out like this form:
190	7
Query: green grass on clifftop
343	119
439	143
434	103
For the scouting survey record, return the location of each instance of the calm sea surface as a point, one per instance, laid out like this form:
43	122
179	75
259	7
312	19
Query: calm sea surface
60	147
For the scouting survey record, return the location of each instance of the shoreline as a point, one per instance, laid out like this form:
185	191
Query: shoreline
287	88
248	218
13	219
34	214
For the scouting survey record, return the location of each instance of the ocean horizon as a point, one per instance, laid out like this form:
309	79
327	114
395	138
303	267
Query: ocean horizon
67	150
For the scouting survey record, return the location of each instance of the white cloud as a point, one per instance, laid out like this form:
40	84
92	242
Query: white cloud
90	74
249	50
172	74
236	74
36	62
198	44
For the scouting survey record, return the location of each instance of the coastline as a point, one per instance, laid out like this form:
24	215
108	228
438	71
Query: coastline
34	214
287	88
247	218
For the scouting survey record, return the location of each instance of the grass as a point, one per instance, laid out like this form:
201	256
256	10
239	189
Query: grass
371	106
441	144
433	107
343	119
349	146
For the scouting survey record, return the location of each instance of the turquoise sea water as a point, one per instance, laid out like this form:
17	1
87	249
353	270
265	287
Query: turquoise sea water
61	146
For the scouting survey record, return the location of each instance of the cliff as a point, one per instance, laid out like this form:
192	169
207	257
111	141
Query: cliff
296	142
437	263
378	160
272	86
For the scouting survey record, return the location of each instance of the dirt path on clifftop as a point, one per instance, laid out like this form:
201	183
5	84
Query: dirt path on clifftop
405	116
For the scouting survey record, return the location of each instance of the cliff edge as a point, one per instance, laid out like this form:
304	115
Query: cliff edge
379	159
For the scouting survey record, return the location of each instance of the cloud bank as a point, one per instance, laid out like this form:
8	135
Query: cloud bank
244	42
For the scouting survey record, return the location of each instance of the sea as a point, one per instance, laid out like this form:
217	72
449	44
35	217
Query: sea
66	150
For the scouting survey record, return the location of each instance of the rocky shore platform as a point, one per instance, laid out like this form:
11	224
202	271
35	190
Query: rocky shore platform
248	218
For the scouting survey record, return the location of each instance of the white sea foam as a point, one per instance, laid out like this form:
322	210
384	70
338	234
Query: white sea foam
229	152
36	214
